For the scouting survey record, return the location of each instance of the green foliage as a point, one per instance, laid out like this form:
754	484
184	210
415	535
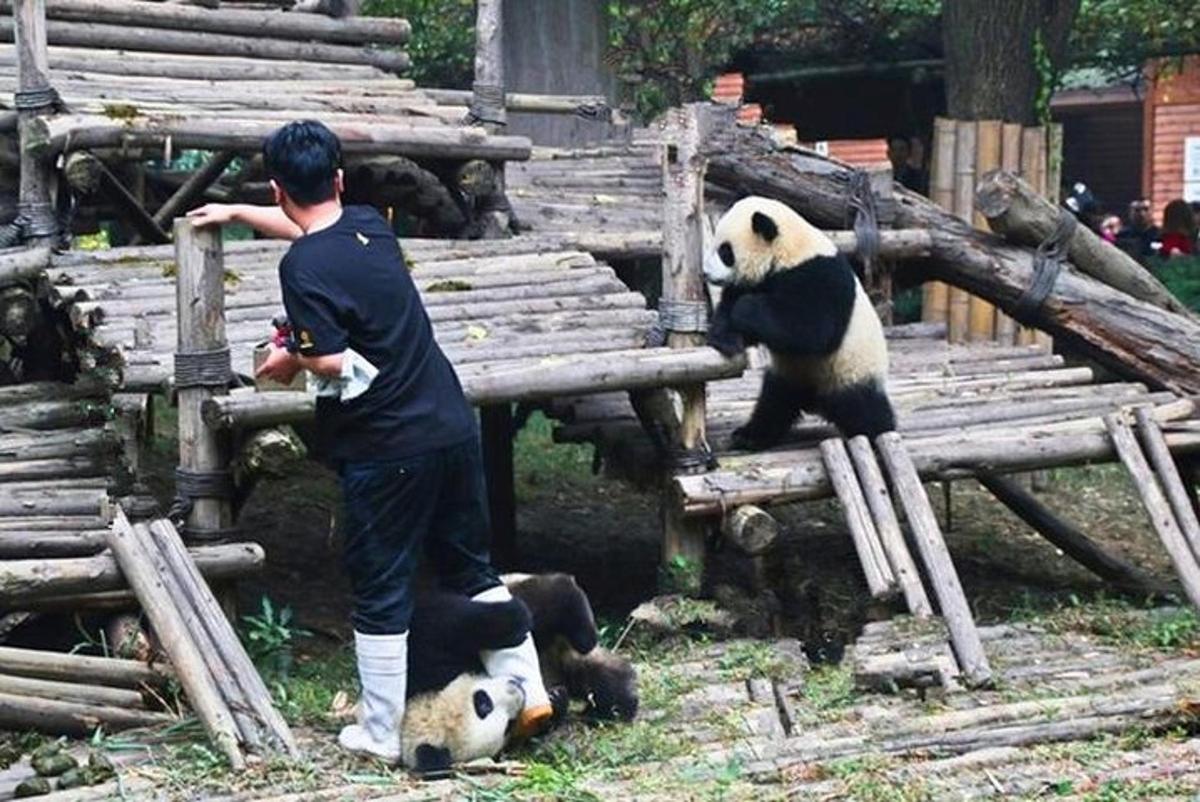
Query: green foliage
681	574
544	467
442	46
1120	35
1047	79
1181	275
269	637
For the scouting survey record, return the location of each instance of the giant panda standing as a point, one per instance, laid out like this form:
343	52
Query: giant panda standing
786	286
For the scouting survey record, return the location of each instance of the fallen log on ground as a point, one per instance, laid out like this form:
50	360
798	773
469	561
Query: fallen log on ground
72	718
1133	337
57	666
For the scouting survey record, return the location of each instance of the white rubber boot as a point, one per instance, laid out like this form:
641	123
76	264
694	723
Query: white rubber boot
383	674
521	662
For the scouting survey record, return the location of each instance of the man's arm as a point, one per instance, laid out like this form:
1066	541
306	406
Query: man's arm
283	365
267	220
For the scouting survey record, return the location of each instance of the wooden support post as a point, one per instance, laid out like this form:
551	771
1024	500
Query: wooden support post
681	302
496	423
202	371
968	649
1071	541
487	93
35	99
875	490
1161	515
881	581
1155	446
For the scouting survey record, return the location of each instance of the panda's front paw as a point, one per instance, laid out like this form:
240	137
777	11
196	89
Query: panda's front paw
730	344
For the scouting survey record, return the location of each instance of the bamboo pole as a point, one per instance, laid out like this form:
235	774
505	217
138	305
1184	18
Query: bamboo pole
1010	160
1033	170
989	143
956	612
129	547
965	140
888	526
881	581
1161	515
936	301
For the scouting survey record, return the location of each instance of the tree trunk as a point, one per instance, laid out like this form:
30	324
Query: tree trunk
991	69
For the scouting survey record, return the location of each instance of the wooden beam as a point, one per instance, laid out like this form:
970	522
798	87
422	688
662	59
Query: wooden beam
28	27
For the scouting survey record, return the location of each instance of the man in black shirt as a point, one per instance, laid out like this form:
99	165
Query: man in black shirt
392	419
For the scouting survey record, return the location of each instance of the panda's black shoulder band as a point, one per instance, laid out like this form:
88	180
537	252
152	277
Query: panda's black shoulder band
1047	263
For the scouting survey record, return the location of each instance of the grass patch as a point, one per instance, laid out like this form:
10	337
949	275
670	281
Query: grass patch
828	688
543	467
746	660
1120	622
306	695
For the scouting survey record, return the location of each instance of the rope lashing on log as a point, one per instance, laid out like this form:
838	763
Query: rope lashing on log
692	460
677	317
45	97
191	485
36	220
203	369
597	112
864	216
1047	264
487	105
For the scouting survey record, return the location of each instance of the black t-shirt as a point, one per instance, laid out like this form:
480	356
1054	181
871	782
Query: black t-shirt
346	286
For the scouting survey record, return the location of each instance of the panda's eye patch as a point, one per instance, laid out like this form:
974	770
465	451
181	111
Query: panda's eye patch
726	254
483	704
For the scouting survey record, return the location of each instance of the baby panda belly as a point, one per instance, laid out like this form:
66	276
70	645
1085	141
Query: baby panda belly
847	387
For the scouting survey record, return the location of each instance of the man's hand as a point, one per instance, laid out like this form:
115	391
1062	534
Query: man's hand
213	214
281	366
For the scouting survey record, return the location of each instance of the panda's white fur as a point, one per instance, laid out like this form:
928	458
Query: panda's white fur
755	244
454	725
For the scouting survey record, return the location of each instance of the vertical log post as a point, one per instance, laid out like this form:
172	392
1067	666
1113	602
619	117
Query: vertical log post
1033	170
964	204
935	301
487	92
683	312
34	99
982	315
202	370
1010	159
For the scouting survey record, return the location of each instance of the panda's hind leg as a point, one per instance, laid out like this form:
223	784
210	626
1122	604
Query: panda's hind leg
859	409
779	404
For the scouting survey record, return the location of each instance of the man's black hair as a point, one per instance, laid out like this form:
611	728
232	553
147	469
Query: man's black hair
303	157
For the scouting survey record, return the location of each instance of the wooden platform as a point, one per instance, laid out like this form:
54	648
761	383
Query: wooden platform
963	409
518	321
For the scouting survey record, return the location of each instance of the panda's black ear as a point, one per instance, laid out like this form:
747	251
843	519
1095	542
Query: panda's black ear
764	226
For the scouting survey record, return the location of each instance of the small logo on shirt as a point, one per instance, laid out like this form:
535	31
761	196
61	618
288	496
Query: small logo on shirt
362	238
306	340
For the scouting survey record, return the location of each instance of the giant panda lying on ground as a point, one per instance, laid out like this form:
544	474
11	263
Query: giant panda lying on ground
456	713
786	286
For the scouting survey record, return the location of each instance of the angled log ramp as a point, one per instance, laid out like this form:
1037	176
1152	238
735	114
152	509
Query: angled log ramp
222	685
881	579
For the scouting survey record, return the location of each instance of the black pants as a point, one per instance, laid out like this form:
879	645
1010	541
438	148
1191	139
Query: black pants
393	509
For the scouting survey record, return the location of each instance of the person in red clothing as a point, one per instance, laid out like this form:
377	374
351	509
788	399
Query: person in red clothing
1179	229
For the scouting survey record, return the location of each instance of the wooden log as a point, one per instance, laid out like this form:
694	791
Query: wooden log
71	692
965	139
60	667
117	37
487	98
752	530
201	314
526	101
241	22
56	717
187	194
82	169
881	580
1155	446
682	285
1132	337
1074	543
45	545
1023	217
938	565
891	538
129	547
222	636
22	264
23	580
1161	515
79	132
27	26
